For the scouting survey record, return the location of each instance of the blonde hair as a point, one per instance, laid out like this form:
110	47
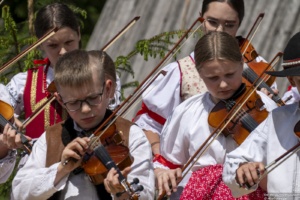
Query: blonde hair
77	67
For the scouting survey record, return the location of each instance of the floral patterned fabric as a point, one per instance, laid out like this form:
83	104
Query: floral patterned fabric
206	184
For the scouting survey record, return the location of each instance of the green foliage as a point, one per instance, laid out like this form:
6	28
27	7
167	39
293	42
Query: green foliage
11	44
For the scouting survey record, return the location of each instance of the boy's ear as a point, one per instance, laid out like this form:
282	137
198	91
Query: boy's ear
291	80
59	99
109	88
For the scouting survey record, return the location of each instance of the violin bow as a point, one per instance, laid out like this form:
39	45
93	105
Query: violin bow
278	161
52	85
31	47
252	32
139	90
124	30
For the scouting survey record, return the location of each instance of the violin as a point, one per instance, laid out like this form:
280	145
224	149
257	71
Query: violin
112	141
252	69
6	117
234	114
109	152
245	120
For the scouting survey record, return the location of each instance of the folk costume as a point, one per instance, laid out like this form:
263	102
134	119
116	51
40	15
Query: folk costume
184	132
177	82
35	179
272	138
26	92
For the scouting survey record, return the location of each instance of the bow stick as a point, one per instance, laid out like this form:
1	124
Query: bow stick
138	91
120	110
31	47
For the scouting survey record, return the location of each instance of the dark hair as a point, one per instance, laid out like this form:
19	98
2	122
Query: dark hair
217	45
237	5
54	15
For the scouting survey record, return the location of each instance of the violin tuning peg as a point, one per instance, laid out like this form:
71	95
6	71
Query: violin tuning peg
139	188
135	181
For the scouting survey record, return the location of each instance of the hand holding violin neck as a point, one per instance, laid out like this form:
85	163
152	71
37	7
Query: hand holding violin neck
27	146
102	154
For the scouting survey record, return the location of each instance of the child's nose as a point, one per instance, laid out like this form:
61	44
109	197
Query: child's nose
62	51
85	107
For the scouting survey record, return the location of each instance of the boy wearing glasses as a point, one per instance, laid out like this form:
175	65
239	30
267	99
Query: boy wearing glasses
84	89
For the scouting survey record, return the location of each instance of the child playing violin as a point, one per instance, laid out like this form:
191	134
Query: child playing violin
220	65
28	90
84	92
180	80
273	137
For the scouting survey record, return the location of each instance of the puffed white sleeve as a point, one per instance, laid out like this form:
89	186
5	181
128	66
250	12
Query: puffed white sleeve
160	98
4	95
253	149
141	167
7	165
16	90
175	138
34	180
269	104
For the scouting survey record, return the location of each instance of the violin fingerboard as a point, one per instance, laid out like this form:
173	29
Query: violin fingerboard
102	154
4	121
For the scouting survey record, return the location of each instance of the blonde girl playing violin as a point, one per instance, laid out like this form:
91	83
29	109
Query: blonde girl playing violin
220	65
180	80
268	141
84	92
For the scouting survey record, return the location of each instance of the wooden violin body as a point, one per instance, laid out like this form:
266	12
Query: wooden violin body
246	119
6	110
114	142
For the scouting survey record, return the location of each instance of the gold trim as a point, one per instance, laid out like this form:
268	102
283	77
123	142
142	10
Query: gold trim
35	105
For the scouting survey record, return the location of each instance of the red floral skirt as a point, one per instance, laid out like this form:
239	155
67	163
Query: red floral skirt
207	183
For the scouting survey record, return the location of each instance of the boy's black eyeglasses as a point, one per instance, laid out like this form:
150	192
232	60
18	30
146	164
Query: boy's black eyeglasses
92	100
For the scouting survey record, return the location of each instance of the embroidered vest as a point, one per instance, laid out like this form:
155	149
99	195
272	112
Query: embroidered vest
60	134
35	95
191	83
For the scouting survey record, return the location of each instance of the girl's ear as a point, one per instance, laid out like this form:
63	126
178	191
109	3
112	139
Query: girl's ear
291	80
